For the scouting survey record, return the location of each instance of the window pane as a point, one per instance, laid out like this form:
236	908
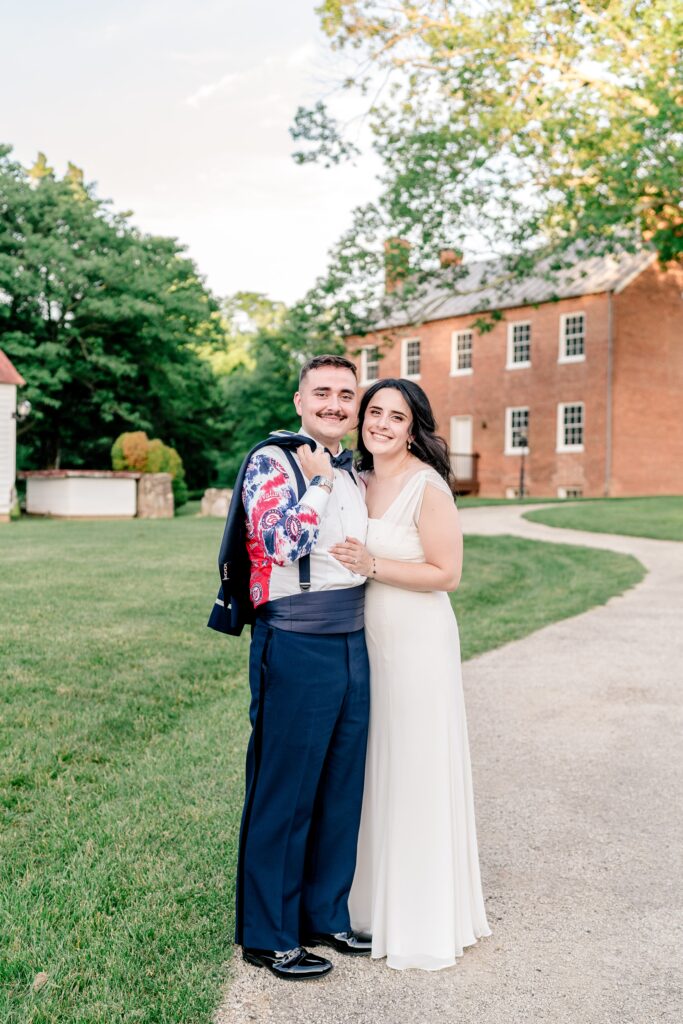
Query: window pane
412	358
371	356
574	335
519	428
573	424
521	343
464	350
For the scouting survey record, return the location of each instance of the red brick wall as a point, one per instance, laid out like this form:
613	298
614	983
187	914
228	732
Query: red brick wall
648	385
491	388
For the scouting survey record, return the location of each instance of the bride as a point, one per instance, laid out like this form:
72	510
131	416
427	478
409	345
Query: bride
417	887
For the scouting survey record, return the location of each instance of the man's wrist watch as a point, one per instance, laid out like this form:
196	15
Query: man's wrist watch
322	481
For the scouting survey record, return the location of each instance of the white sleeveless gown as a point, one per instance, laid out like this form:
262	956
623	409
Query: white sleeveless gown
417	886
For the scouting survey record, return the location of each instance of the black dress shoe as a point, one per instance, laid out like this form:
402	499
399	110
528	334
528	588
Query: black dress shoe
343	942
294	964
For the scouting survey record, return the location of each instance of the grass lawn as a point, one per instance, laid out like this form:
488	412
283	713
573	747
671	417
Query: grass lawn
465	501
123	723
661	518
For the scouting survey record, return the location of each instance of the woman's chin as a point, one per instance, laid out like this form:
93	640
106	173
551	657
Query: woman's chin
380	450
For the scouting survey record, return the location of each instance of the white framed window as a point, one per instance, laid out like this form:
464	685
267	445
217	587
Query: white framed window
570	427
461	353
572	338
569	492
369	364
410	358
519	345
516	430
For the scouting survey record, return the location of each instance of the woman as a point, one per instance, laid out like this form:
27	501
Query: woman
417	888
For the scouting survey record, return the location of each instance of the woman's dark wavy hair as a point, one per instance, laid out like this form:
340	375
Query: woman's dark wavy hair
426	444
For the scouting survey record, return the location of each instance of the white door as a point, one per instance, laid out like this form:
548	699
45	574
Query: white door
461	447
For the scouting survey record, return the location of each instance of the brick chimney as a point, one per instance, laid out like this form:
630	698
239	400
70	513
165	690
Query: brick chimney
450	258
396	260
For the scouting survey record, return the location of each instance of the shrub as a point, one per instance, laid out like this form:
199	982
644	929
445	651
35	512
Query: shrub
135	452
156	457
129	451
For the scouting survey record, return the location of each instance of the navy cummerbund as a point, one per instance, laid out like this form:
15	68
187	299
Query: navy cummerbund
319	611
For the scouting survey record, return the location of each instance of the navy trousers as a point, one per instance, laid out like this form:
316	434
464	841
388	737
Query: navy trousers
304	785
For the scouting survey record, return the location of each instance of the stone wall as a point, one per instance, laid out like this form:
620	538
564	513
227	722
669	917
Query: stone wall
155	496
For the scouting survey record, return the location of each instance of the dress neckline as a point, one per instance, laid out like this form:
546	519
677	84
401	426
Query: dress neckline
418	472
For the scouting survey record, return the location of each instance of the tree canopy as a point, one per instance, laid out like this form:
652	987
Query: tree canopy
509	127
264	349
104	323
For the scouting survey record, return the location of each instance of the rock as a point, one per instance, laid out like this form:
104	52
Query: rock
155	496
39	981
215	502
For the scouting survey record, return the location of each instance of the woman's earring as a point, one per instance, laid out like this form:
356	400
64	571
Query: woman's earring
410	443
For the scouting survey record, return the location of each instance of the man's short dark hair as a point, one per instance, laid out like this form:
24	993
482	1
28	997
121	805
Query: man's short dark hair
327	360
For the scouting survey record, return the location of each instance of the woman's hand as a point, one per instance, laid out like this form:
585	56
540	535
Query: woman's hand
353	555
315	463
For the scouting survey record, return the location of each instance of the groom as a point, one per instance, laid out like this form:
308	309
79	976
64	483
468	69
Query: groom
308	674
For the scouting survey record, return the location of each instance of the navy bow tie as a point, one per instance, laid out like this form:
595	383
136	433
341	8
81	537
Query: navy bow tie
343	460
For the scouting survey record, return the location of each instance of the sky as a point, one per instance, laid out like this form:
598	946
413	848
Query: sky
180	112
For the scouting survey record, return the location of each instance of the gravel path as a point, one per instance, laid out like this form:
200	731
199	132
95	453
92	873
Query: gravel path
576	749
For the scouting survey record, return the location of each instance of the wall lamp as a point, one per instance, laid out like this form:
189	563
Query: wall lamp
23	410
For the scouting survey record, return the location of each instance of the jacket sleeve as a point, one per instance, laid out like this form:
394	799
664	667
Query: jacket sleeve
286	529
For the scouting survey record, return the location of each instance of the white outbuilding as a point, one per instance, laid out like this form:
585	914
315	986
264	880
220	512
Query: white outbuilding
10	380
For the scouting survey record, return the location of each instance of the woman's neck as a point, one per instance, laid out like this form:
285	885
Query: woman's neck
386	466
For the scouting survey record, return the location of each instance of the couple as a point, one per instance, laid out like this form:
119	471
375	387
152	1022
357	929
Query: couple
367	855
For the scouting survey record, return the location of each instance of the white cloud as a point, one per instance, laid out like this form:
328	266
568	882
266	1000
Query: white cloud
222	85
302	55
198	58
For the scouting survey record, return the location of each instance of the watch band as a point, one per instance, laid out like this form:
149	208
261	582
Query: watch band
322	481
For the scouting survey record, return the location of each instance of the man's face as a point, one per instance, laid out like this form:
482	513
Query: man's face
328	404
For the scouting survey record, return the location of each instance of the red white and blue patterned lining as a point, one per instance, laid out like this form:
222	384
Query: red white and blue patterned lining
279	530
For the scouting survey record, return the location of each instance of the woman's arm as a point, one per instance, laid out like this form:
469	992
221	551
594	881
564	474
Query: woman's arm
441	539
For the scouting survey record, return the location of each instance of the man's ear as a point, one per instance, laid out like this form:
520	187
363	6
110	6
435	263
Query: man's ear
297	402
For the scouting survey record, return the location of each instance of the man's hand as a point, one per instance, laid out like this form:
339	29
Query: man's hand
315	463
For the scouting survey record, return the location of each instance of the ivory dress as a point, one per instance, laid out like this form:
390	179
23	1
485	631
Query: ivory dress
417	887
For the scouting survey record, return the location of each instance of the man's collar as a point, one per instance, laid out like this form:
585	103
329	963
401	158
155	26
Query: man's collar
340	447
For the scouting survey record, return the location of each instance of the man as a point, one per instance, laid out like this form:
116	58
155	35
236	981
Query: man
310	699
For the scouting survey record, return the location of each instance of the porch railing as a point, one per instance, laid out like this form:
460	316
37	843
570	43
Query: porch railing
465	472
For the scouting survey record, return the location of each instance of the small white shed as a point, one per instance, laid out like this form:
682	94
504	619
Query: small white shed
10	380
81	493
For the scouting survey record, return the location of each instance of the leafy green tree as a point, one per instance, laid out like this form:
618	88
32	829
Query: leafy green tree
266	347
526	127
243	315
104	321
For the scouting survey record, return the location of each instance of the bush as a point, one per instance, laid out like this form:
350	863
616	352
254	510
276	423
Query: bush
157	460
129	452
135	452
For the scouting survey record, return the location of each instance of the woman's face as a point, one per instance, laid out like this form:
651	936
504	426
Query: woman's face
387	423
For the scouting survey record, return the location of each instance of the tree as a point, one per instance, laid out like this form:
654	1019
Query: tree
104	322
266	347
243	315
527	128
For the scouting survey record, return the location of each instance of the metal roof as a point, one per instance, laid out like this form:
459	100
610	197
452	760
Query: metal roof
487	285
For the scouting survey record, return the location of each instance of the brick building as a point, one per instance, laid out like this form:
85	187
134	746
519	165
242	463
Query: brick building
582	380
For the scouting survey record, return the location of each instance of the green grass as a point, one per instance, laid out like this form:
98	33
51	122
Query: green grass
123	723
465	501
512	586
659	517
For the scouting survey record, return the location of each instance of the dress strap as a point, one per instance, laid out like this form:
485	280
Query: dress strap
429	478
